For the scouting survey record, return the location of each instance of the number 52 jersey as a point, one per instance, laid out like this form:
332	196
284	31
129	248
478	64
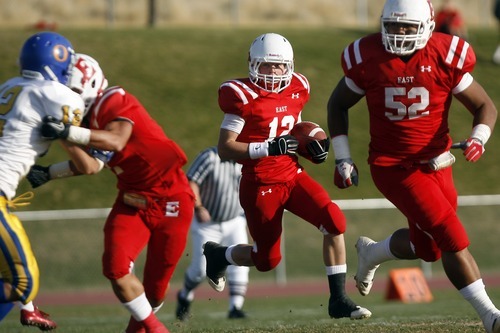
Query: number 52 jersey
408	100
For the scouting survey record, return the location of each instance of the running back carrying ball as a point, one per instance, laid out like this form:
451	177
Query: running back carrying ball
313	141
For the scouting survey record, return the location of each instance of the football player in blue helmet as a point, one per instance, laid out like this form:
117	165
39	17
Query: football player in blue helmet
40	92
47	55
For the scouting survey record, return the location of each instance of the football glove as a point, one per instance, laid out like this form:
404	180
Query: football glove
473	149
318	149
441	161
283	145
38	175
103	155
53	129
346	173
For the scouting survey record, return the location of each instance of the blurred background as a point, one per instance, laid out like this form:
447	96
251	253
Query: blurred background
162	13
173	55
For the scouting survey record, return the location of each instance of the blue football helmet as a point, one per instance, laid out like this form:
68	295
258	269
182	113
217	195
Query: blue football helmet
47	55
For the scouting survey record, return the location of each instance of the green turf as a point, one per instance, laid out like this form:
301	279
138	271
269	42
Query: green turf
69	252
448	312
175	72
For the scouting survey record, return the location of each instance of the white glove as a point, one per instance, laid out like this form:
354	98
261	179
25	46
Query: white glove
346	173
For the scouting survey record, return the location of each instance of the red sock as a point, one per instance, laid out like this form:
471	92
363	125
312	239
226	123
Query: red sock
153	325
135	327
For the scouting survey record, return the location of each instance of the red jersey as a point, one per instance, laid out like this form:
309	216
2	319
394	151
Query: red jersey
448	18
266	115
408	102
150	163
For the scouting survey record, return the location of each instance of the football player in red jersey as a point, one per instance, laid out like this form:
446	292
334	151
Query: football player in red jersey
409	75
155	203
259	112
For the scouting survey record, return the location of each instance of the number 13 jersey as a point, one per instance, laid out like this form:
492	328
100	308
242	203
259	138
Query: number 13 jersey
265	115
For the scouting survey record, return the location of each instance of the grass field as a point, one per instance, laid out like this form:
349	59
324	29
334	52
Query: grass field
74	266
305	314
175	73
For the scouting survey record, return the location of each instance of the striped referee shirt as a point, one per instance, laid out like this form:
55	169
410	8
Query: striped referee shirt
219	183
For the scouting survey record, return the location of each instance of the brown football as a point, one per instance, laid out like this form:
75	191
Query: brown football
305	132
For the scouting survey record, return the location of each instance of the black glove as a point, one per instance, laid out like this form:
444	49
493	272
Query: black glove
318	149
283	145
53	128
38	175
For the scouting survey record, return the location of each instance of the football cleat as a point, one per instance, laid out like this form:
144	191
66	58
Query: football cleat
182	310
38	319
216	268
366	270
235	313
345	308
492	323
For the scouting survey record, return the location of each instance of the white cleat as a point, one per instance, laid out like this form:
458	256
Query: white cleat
492	323
366	270
218	285
361	313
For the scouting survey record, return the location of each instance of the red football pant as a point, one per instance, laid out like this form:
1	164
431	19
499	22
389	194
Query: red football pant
264	205
428	199
128	230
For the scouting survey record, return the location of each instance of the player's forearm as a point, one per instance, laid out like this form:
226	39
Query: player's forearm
81	162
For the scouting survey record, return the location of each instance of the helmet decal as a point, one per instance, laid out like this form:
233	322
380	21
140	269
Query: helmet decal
87	71
61	53
87	78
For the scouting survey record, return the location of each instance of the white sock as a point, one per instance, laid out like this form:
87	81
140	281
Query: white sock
28	306
476	295
330	270
229	256
139	307
236	301
157	308
381	252
187	295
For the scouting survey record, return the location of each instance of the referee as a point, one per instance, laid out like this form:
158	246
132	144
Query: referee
218	217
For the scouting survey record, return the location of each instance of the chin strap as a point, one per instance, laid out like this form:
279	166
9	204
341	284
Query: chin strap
21	200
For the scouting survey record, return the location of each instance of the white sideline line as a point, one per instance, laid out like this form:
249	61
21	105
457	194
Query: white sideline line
465	200
68	214
354	204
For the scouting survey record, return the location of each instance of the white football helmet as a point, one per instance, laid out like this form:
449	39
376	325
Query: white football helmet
419	13
270	48
87	79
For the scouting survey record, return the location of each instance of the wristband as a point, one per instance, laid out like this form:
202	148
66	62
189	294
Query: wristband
258	149
481	132
79	135
340	146
60	170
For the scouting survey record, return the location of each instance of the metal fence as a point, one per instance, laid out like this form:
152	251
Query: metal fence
52	14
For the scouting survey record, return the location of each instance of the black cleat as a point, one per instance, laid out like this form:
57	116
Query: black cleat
345	308
235	313
182	310
216	265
